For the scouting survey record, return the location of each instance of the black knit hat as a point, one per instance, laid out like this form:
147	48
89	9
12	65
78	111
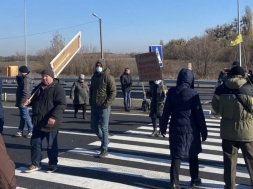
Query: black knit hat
23	69
237	70
48	72
235	63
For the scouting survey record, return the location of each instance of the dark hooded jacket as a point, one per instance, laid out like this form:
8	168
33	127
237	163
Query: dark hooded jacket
103	88
48	103
24	89
187	123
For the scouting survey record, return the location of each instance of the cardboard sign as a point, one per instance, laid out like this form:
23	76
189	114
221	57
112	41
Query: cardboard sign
148	67
66	54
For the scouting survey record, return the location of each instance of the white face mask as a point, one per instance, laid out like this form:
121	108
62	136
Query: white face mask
157	82
99	69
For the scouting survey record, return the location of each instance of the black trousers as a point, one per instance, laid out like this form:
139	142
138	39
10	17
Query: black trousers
154	121
230	153
175	168
82	106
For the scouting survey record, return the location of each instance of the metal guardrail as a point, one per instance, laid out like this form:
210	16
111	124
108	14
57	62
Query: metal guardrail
10	85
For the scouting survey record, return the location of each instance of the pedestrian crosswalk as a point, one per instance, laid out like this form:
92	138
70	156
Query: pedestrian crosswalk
137	160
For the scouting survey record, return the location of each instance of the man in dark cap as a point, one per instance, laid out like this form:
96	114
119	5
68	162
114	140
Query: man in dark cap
23	92
48	105
234	102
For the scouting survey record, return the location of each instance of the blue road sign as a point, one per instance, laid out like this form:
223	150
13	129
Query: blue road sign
159	52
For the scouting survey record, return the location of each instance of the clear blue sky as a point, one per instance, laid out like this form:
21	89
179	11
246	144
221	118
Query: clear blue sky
128	25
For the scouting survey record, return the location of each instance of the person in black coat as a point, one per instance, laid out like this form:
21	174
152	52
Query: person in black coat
48	105
1	108
126	84
187	126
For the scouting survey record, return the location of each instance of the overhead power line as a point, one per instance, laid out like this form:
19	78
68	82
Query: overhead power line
50	31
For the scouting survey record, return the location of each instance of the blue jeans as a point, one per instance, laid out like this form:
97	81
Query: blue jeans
127	97
25	118
52	147
99	124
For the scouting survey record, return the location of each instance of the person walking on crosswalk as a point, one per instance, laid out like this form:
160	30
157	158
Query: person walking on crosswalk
102	93
23	92
48	105
187	127
233	100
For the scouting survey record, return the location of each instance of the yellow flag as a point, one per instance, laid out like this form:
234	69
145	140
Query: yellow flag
236	41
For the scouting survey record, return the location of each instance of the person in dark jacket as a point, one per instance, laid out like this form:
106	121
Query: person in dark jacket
1	109
80	95
7	168
157	96
187	126
48	105
234	102
102	93
23	92
126	83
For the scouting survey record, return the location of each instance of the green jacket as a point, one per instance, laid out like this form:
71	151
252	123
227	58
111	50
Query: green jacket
102	89
236	122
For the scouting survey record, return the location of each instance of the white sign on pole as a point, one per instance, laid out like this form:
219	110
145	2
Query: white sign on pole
66	54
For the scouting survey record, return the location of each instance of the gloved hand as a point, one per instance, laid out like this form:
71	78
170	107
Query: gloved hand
204	138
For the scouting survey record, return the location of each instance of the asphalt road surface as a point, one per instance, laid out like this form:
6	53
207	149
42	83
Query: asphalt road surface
135	159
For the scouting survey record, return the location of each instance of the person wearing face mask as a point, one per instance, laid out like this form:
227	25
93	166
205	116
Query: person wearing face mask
102	93
157	95
126	83
80	95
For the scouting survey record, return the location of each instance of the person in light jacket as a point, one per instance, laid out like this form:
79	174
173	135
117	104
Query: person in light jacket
80	95
233	100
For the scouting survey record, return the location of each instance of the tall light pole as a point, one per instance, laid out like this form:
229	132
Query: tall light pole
25	32
101	41
239	32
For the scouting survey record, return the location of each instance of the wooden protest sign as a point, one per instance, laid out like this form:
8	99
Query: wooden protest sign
148	67
66	54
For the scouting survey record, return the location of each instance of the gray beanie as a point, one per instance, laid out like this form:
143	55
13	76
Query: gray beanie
48	72
81	76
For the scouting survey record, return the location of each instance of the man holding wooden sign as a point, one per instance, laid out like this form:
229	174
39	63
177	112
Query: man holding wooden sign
48	104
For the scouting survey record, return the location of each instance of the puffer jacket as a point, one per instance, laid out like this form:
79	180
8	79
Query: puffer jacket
7	168
157	100
80	93
102	89
236	122
48	103
24	89
187	123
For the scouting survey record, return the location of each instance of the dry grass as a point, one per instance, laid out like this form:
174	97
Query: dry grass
118	62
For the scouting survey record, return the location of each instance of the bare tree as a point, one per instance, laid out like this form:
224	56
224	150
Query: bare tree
202	52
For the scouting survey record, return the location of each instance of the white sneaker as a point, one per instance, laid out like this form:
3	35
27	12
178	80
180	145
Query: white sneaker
29	135
32	168
18	134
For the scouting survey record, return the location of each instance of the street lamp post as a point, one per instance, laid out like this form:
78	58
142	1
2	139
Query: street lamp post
239	32
101	41
25	32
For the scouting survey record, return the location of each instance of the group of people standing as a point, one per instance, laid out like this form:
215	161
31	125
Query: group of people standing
178	109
